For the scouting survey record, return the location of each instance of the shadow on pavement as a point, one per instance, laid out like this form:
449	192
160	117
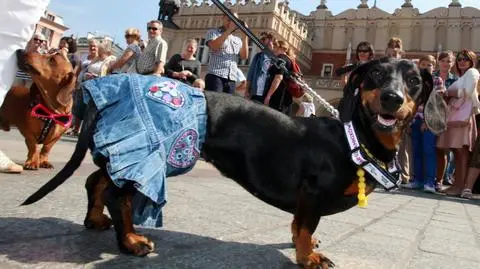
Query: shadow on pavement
53	240
437	196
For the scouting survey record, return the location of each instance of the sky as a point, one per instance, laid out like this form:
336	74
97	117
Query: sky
112	17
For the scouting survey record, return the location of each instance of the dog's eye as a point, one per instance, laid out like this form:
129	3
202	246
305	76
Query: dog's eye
51	60
377	73
413	81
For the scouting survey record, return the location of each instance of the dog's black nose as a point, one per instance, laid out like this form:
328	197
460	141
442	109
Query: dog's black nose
391	100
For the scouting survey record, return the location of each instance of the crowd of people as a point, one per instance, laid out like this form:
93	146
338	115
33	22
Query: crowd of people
429	160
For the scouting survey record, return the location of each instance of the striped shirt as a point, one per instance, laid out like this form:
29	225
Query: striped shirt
154	53
223	63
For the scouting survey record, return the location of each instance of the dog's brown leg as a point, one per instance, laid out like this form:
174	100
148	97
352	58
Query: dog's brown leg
119	204
294	228
306	220
44	163
32	162
95	219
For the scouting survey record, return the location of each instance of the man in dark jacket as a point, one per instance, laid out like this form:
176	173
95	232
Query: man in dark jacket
258	71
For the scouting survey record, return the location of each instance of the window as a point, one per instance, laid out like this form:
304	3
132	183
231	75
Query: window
202	51
327	70
48	33
50	17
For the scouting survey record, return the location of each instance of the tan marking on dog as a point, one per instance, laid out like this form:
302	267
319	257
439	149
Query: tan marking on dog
95	215
138	244
294	229
305	255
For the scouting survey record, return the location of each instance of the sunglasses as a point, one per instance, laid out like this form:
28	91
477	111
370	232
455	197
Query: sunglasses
127	36
462	58
36	39
364	50
41	112
152	28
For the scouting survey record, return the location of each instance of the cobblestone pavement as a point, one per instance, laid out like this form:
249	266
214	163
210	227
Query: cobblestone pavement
210	222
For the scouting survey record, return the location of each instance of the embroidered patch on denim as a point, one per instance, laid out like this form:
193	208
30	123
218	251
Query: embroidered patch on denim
167	92
184	152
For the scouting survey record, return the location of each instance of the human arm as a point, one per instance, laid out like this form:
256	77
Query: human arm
244	49
124	59
160	58
465	85
172	65
273	87
215	41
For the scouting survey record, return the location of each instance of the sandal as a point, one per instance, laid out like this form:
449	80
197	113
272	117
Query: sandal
467	194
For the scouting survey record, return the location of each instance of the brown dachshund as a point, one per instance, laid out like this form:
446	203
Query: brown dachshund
43	112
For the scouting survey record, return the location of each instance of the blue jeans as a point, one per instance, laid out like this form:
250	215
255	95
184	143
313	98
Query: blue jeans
424	157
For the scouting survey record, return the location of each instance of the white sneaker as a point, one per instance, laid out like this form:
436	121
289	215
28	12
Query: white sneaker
430	188
8	166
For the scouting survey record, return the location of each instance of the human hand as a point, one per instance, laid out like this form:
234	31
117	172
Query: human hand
186	73
89	75
231	27
267	100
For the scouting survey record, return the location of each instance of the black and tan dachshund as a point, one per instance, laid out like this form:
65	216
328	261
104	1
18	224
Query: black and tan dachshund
299	165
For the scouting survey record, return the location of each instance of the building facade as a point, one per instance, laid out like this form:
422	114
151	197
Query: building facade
52	27
323	41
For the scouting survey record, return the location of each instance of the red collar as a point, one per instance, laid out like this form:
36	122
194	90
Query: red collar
39	111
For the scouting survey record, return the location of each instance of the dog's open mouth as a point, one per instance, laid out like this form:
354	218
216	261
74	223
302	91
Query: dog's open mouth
386	120
382	121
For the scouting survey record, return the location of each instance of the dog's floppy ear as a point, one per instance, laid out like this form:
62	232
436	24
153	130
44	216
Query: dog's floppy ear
64	95
427	86
351	93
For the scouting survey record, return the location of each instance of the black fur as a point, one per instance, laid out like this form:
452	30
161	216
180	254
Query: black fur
299	165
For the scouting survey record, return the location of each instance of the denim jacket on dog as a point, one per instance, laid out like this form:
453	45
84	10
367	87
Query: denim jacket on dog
149	128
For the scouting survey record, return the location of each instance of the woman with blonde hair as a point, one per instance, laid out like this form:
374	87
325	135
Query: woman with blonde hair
127	62
100	65
461	135
184	66
276	91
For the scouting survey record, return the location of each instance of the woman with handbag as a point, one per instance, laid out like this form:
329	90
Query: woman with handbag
463	105
445	160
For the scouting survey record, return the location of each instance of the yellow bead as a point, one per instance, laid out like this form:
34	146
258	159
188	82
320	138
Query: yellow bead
360	191
360	173
362	185
361	196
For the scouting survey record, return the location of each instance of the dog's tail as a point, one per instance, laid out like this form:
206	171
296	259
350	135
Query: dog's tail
76	159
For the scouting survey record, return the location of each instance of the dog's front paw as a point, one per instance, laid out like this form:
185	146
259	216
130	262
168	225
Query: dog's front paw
46	164
31	165
317	261
103	222
138	245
